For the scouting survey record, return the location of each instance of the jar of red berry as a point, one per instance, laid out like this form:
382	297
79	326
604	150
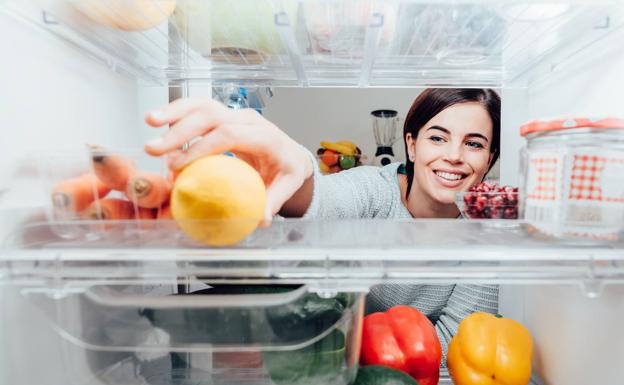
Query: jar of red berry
573	177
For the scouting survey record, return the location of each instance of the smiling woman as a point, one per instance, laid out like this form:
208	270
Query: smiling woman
451	140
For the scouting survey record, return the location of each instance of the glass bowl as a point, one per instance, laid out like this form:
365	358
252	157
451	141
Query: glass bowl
488	204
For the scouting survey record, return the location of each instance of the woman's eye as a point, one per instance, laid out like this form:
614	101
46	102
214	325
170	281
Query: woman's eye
436	139
475	144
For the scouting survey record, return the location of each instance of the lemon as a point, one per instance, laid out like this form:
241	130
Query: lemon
218	200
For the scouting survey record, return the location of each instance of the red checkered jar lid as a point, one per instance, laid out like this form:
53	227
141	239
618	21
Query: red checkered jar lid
536	127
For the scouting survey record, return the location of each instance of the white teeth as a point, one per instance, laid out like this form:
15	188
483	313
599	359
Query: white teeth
447	175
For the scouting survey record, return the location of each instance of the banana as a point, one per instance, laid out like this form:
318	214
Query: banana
347	143
339	148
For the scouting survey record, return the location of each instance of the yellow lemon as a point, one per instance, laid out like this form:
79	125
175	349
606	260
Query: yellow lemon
218	200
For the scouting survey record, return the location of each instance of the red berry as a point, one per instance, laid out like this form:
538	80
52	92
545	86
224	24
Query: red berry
512	198
470	198
497	201
496	213
510	213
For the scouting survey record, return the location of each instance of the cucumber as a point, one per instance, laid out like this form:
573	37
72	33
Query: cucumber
320	363
307	317
381	375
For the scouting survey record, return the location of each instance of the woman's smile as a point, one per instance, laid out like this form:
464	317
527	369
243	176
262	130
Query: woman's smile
449	178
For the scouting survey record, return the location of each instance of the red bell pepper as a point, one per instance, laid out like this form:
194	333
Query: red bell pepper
402	338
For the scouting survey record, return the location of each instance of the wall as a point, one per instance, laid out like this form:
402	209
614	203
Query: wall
579	339
50	98
314	114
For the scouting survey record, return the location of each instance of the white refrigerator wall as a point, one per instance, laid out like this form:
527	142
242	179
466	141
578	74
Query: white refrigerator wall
51	98
578	338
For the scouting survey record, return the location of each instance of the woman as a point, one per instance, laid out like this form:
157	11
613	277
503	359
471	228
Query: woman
451	137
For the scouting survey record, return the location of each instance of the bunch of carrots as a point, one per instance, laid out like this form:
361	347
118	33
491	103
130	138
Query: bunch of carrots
148	193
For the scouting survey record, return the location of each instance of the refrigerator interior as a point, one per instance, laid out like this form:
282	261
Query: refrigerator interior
68	83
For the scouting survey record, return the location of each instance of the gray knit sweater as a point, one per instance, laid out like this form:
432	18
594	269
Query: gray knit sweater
371	192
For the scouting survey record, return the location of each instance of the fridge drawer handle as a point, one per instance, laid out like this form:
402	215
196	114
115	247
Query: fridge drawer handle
106	297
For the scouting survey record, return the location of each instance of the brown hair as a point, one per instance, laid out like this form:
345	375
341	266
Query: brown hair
433	100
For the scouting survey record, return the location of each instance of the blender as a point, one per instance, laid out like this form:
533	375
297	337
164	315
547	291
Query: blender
384	129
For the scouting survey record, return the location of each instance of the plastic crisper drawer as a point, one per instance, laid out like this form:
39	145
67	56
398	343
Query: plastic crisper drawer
223	334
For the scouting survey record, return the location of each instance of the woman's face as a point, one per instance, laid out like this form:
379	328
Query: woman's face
451	152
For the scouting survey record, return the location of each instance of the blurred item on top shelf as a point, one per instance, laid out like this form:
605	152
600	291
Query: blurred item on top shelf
241	32
338	29
573	174
450	34
254	97
127	15
338	156
384	128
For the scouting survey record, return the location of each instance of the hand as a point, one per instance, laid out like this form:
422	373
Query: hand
214	129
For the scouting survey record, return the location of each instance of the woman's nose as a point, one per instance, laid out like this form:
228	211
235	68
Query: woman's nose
454	154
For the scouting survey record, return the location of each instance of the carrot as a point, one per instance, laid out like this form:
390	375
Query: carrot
112	169
148	190
110	209
76	194
165	213
144	213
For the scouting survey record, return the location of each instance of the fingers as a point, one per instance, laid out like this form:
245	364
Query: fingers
178	109
215	143
183	131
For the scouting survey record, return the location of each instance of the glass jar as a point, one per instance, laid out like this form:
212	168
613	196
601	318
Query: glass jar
573	177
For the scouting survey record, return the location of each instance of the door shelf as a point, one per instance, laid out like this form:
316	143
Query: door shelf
348	43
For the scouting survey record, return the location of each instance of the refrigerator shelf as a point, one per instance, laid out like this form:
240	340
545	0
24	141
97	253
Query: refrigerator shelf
328	256
350	43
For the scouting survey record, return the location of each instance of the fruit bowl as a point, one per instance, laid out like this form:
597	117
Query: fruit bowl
338	156
330	162
488	201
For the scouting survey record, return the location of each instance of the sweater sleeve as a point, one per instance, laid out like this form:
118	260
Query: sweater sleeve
356	193
464	300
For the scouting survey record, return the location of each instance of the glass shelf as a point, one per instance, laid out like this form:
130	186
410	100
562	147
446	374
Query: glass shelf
351	43
326	255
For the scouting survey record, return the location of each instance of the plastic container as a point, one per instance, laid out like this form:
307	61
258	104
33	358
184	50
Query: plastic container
120	213
224	334
573	176
87	215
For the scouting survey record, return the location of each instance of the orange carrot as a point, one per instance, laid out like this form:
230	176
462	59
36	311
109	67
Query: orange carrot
165	213
112	169
110	209
148	190
76	194
144	213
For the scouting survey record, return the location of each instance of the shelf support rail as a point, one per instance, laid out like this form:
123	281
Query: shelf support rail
282	24
371	42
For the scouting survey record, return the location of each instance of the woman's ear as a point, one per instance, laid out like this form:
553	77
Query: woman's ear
411	146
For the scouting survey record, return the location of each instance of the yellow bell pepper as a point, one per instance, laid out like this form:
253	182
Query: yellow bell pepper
490	350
